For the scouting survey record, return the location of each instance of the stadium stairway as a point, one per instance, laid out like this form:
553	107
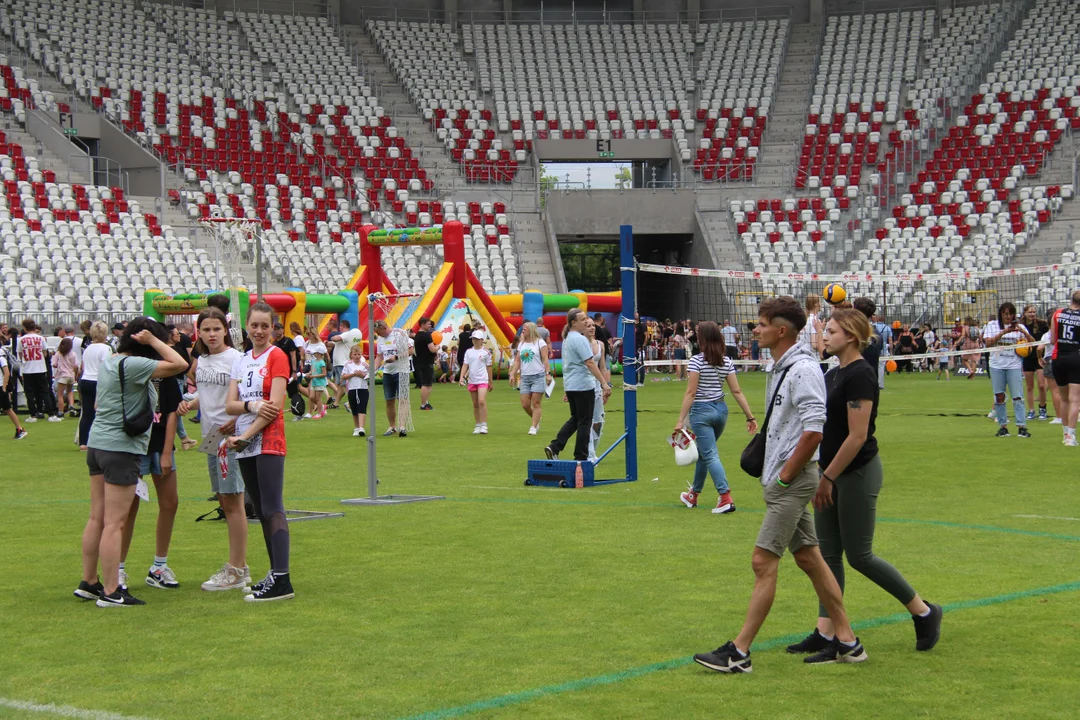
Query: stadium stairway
718	234
534	259
64	170
787	121
412	127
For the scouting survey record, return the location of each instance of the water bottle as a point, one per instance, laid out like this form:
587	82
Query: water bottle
579	476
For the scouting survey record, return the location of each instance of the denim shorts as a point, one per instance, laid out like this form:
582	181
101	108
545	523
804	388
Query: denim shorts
533	383
150	464
231	485
390	386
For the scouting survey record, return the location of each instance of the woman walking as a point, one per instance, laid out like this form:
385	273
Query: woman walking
256	397
1065	339
845	504
212	370
93	355
579	372
1006	367
114	455
703	403
1033	372
599	351
531	372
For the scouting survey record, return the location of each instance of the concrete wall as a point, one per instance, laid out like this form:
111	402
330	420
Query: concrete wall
587	150
44	127
601	212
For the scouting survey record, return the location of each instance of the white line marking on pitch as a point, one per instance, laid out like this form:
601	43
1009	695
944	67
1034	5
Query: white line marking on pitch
63	710
1046	517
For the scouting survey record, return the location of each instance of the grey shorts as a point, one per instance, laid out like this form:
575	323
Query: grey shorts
532	384
788	522
230	485
119	468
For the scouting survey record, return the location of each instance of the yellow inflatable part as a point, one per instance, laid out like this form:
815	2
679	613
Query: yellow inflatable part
508	303
429	296
489	322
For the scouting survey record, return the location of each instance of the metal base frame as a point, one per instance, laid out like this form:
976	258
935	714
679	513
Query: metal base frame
301	515
392	499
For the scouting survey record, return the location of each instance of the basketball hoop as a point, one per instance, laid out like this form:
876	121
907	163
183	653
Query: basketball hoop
232	237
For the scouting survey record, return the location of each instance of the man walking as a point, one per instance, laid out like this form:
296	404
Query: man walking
796	402
424	357
31	351
392	357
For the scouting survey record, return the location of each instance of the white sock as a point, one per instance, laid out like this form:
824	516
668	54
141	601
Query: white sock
827	637
849	644
122	567
160	562
927	613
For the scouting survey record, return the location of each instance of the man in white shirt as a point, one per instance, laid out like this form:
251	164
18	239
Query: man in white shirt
31	351
392	355
731	340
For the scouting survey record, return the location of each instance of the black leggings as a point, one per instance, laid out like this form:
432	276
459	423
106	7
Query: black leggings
264	480
581	413
88	393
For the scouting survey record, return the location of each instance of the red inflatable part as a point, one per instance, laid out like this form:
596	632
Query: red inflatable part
604	303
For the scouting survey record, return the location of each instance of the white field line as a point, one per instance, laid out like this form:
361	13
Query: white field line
62	710
1046	517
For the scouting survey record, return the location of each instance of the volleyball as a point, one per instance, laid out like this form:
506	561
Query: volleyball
834	294
1023	351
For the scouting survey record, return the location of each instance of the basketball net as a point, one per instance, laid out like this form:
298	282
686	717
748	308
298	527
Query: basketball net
395	309
232	239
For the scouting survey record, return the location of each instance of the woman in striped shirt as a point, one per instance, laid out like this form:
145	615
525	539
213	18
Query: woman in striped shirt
708	413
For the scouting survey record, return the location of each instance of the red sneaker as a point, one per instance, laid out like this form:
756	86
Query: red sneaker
724	505
689	498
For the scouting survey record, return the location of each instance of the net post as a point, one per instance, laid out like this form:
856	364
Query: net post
629	302
373	481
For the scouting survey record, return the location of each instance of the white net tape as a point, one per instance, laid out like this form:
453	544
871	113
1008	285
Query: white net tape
393	308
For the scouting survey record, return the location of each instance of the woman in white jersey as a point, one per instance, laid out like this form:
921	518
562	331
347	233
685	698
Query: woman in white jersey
92	358
256	398
598	350
704	405
1006	367
213	371
531	373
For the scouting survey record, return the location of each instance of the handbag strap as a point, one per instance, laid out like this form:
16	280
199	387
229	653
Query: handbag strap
768	413
123	407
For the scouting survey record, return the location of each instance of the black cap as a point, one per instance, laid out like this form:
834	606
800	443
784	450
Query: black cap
118	326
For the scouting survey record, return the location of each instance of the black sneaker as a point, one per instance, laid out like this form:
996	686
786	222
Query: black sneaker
1002	432
838	652
275	587
402	433
812	643
118	598
725	659
928	629
550	453
86	591
1022	431
257	587
20	433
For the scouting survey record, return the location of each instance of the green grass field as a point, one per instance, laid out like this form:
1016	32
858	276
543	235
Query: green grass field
505	601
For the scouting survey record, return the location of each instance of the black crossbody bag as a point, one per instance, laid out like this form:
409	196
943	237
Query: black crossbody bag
752	460
141	421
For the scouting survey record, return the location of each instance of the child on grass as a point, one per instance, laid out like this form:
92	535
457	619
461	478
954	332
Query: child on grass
319	394
355	376
475	370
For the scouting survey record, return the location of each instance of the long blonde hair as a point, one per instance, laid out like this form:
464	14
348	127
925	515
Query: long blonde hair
529	333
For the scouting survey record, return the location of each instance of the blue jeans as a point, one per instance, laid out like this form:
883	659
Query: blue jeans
1014	379
707	421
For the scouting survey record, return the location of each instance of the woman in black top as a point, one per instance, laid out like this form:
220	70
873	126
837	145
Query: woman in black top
851	477
905	345
1036	327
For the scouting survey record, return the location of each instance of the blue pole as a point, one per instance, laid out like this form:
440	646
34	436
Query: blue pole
629	302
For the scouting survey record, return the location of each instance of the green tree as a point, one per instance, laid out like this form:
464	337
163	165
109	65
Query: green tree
547	184
623	181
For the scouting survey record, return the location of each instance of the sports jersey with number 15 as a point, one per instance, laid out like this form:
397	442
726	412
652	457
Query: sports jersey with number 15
254	376
1068	332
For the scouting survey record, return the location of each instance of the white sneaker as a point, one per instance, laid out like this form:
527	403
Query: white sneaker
123	580
476	430
1070	441
55	418
228	578
357	432
307	416
483	429
30	419
532	431
1055	421
162	577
